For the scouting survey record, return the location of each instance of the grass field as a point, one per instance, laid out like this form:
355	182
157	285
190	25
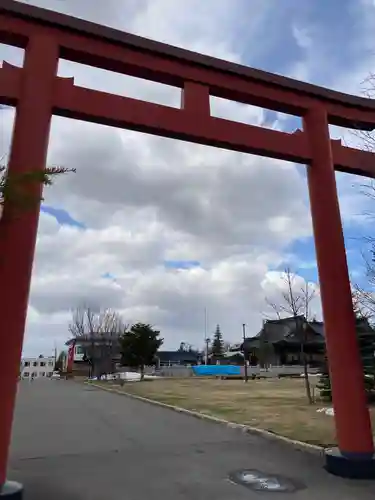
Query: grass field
276	405
279	406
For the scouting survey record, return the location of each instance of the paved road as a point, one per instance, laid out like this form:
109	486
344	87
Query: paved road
72	442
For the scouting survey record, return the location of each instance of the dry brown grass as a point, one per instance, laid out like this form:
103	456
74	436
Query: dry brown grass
276	405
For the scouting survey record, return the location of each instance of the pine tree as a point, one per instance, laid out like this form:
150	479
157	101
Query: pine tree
366	344
17	189
60	362
139	345
324	384
217	347
366	341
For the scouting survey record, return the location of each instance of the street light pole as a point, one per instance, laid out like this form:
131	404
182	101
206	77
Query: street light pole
206	339
244	351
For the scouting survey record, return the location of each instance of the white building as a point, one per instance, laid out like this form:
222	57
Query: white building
37	367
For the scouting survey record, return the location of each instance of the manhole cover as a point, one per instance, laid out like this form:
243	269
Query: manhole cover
260	481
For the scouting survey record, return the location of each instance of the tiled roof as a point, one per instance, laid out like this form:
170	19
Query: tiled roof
177	355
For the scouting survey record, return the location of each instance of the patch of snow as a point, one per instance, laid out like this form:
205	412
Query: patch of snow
133	376
328	411
127	376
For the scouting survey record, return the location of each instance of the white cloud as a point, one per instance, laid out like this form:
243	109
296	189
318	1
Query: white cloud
335	69
303	37
146	199
276	290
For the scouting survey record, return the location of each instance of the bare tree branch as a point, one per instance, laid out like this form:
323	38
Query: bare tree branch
99	332
363	302
296	303
275	308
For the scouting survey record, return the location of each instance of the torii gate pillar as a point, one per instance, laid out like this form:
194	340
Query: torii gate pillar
355	456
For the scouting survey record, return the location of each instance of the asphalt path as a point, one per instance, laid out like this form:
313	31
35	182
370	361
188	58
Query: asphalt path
75	442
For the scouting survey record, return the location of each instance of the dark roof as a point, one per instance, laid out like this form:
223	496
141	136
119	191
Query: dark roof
284	327
318	327
363	326
278	329
47	18
177	356
251	342
281	330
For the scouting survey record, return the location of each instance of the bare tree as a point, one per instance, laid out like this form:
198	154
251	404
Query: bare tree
99	333
296	302
364	297
363	302
367	137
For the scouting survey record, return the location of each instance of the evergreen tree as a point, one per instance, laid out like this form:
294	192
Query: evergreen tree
366	341
60	362
217	346
18	189
139	345
366	344
324	384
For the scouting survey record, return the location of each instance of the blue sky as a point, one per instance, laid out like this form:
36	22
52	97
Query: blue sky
333	32
62	216
322	42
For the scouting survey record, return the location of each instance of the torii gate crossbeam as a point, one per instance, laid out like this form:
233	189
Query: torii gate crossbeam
38	93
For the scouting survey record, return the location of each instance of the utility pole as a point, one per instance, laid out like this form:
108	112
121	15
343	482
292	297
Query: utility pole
206	353
244	351
206	339
55	354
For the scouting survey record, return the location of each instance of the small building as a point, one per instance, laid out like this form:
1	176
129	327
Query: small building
39	367
287	341
232	356
280	342
94	355
180	358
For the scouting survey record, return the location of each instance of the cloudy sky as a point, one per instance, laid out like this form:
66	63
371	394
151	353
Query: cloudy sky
160	229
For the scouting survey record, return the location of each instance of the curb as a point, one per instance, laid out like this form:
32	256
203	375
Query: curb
298	445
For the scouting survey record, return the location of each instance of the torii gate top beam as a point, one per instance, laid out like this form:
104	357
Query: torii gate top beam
199	76
295	96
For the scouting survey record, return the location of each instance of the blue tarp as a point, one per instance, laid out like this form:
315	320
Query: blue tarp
212	370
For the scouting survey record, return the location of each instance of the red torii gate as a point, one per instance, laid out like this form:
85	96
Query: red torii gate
38	94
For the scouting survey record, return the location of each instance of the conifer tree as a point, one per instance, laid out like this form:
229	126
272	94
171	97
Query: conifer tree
217	346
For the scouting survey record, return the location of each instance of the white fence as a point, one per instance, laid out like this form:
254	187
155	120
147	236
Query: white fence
186	371
276	371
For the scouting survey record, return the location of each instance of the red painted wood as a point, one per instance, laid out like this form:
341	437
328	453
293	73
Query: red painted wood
19	230
352	418
195	100
10	84
99	107
95	45
102	108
